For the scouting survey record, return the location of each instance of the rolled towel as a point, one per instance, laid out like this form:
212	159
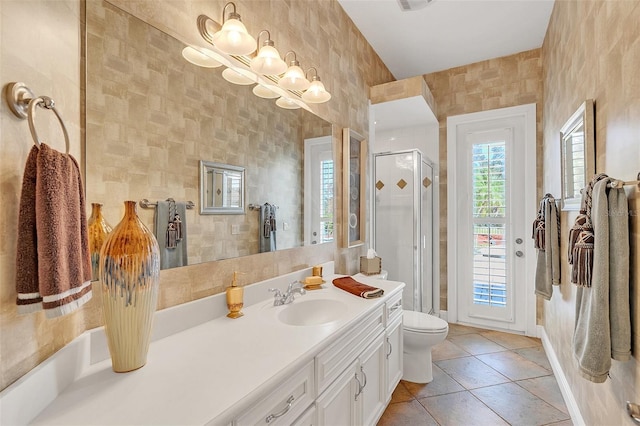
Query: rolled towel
357	288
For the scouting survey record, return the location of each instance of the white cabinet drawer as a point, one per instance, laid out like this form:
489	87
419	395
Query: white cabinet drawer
285	403
393	308
333	360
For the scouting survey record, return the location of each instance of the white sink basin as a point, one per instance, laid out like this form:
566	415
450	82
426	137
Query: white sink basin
312	312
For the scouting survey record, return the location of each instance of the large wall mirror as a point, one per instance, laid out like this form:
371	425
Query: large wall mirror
152	117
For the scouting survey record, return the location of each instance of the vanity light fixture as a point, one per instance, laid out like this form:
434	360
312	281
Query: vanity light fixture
287	103
268	60
264	92
293	78
316	93
233	37
201	57
237	76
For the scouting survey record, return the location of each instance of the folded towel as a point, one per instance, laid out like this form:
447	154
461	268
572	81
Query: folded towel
359	289
175	254
53	260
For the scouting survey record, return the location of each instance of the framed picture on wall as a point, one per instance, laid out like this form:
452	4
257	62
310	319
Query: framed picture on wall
577	150
354	154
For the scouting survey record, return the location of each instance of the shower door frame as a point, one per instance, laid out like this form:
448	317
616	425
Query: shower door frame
418	256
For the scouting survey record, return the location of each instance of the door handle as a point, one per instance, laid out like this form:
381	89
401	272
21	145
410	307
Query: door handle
519	253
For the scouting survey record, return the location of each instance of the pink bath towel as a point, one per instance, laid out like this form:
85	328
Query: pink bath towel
53	261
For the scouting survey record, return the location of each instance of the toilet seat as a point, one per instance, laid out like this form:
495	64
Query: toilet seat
420	322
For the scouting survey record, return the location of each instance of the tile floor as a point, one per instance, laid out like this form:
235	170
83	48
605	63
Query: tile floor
482	377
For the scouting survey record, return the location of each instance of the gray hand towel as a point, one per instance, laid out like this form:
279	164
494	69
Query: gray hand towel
171	257
603	324
548	266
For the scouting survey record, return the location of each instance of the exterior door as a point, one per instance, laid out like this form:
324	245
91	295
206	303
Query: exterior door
491	222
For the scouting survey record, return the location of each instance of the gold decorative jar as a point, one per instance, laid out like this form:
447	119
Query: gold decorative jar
98	230
129	278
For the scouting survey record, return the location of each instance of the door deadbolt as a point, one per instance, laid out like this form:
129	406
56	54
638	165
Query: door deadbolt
518	240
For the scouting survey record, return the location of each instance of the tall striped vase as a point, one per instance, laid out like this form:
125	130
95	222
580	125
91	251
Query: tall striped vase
129	277
98	230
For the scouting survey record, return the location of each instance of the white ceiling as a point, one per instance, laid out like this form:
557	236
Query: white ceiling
448	33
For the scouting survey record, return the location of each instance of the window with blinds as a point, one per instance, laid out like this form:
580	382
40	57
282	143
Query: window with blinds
489	224
326	201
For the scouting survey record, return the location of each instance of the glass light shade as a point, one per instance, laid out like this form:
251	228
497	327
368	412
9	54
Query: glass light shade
316	93
264	92
237	77
287	103
294	79
234	39
200	57
268	62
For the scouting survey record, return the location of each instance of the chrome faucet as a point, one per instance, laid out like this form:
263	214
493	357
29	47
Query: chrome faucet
283	299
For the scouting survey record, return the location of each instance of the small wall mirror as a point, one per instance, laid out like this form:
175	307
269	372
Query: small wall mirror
221	188
577	145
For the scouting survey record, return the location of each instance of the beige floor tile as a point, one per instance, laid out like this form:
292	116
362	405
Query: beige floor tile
471	372
406	414
511	341
460	408
512	365
401	394
476	344
455	329
546	388
518	406
562	423
447	350
535	354
442	384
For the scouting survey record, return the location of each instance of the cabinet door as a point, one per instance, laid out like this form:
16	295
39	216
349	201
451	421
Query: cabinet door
337	405
308	418
394	346
372	374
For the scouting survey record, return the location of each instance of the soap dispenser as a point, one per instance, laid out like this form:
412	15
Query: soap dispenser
235	298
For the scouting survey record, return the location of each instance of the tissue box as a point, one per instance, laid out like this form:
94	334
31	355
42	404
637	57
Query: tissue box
370	266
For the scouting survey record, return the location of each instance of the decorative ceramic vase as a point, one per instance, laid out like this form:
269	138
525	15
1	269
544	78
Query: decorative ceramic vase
98	230
129	275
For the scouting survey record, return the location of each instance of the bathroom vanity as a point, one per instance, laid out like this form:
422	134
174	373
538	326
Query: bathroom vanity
327	358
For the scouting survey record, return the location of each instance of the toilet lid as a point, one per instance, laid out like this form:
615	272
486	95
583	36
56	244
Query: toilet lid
423	323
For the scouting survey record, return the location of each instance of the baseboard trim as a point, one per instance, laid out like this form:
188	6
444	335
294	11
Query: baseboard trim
565	389
443	315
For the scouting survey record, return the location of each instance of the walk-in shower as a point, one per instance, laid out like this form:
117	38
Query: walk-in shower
404	224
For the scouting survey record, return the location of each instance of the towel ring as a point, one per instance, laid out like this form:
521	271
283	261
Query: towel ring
22	102
48	103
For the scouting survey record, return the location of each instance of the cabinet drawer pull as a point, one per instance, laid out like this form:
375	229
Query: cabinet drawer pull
364	375
395	307
286	409
360	387
390	348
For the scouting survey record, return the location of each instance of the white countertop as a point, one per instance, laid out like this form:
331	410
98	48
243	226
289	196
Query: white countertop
203	374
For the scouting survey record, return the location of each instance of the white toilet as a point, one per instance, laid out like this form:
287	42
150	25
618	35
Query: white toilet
420	332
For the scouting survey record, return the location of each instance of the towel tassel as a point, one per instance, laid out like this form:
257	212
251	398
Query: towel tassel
574	233
583	258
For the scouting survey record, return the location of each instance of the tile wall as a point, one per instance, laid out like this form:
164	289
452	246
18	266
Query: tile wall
497	83
320	33
592	51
